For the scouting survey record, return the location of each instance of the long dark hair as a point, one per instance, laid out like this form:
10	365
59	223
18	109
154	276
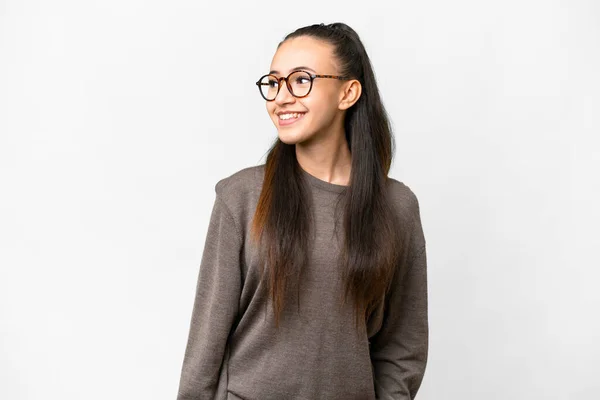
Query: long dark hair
372	236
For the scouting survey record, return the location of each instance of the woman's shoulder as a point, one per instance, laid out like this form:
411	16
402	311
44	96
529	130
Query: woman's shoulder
403	198
240	190
241	181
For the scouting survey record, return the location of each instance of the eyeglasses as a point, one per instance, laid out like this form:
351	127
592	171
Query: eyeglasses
299	84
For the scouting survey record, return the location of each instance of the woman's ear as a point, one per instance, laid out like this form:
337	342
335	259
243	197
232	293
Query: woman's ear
350	94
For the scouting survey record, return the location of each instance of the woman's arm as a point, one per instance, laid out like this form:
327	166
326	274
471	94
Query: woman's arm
215	305
399	350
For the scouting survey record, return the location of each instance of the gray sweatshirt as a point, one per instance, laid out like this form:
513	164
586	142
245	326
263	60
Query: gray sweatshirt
234	350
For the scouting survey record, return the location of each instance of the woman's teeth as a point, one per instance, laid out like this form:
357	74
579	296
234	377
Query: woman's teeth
289	116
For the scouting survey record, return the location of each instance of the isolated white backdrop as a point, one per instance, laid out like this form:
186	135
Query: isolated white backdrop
117	118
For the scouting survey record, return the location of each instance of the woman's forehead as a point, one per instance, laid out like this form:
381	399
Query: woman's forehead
303	51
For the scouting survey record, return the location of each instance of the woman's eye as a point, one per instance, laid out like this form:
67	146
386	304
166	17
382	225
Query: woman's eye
302	80
272	83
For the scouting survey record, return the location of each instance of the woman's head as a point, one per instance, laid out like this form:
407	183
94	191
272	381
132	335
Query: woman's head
321	111
333	49
351	107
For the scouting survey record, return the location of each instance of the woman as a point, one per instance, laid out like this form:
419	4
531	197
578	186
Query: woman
313	280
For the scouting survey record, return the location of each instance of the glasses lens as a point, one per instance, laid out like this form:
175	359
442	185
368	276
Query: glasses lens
300	82
268	87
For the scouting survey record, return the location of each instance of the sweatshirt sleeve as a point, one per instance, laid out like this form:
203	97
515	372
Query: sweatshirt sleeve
215	306
399	350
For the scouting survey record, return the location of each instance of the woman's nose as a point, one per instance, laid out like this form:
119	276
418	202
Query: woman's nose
284	95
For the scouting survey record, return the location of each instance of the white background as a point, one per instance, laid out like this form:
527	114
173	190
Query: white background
117	118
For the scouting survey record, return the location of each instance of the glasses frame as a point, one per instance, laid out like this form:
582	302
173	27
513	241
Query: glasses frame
287	83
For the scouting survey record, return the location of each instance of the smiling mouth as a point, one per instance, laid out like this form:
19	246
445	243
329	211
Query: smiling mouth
284	120
290	116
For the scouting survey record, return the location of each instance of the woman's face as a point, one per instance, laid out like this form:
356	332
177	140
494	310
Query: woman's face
318	113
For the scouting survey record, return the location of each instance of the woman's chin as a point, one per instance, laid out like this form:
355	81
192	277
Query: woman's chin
290	137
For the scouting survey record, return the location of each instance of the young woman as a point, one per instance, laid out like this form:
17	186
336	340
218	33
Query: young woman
313	281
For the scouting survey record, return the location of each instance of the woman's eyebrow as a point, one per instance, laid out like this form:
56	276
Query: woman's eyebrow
294	69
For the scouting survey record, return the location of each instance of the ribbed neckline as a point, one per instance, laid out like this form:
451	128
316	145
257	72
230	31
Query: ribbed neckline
321	184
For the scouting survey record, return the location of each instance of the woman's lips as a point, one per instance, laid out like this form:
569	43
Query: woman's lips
285	122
